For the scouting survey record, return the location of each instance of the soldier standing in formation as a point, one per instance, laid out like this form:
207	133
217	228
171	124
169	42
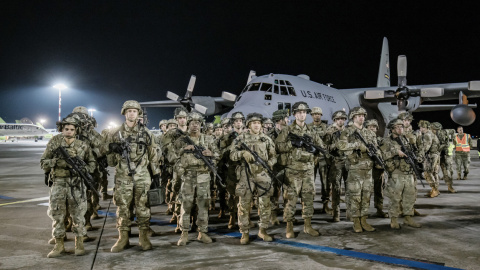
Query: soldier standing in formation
428	145
253	177
67	190
444	163
132	177
463	144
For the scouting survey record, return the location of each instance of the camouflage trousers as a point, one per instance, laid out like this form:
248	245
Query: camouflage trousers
446	163
277	188
430	165
358	192
231	183
462	159
377	175
63	196
260	185
321	170
300	184
401	189
195	188
130	192
336	174
174	200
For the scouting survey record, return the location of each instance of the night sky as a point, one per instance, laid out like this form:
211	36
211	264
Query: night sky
111	51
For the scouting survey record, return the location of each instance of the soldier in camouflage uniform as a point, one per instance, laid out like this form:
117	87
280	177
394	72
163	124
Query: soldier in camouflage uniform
68	189
428	145
267	125
167	170
254	179
299	169
337	170
280	118
217	131
195	178
163	126
208	129
463	144
377	174
132	180
231	176
321	167
444	141
359	166
222	167
401	187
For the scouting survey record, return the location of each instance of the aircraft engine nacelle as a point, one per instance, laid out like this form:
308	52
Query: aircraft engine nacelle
462	115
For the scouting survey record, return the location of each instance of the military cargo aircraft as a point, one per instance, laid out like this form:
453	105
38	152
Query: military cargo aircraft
268	93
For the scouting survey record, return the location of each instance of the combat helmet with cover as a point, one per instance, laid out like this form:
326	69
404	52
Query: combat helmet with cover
225	122
405	116
424	124
279	115
436	126
395	122
162	122
195	116
80	109
357	111
339	114
180	112
300	106
371	122
254	117
132	104
237	115
67	121
316	110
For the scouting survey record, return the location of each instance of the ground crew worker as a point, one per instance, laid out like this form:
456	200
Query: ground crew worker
68	189
463	144
377	174
428	146
299	177
401	187
337	170
321	167
359	166
444	164
195	179
254	179
132	177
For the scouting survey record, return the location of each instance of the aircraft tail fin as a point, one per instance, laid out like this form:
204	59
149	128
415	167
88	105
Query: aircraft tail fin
2	121
384	69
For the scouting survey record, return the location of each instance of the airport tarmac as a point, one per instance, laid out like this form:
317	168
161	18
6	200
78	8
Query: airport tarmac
449	238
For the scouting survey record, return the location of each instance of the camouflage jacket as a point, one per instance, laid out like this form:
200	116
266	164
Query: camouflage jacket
297	158
187	160
331	139
428	143
351	145
224	147
321	129
56	164
260	143
443	140
390	148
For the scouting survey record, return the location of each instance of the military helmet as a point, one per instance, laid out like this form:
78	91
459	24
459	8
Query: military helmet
254	117
357	111
218	125
237	115
316	110
405	115
339	114
195	116
267	121
180	112
424	123
67	121
394	122
371	122
300	106
80	109
172	121
279	115
209	125
132	104
225	121
436	125
162	122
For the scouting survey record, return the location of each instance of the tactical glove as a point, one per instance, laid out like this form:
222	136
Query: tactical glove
297	143
155	181
248	157
115	148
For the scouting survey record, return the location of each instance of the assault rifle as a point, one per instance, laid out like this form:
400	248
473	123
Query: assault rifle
260	161
411	159
125	146
371	150
197	153
78	166
307	142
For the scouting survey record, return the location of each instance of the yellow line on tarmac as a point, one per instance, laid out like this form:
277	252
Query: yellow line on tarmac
31	200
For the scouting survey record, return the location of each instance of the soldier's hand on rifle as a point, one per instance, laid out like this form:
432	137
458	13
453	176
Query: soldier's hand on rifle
115	148
401	154
207	153
361	147
189	147
156	180
248	157
61	163
297	143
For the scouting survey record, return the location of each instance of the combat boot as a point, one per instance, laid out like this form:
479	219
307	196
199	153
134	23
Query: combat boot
464	176
106	196
307	228
336	215
327	208
381	214
177	229
245	239
58	249
290	233
121	243
79	249
451	189
88	225
394	223
434	193
357	227
367	227
52	240
429	193
204	238
143	240
409	221
183	239
150	232
416	213
231	222
95	215
262	233
459	176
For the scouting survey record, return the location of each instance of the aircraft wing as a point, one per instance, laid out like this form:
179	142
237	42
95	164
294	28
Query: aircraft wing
161	103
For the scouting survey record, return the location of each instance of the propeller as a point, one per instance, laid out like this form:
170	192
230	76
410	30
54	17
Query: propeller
186	101
403	93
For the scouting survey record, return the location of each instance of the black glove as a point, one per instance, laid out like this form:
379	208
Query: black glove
103	162
48	182
115	148
297	143
155	181
311	149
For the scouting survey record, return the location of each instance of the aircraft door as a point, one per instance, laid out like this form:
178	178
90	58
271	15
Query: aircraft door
280	105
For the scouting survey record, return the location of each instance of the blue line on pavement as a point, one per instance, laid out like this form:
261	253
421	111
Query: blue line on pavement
6	198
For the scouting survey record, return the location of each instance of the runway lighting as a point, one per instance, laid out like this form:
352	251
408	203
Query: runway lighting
91	111
60	87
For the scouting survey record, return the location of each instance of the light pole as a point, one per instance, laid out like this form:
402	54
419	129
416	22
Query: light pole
91	112
60	87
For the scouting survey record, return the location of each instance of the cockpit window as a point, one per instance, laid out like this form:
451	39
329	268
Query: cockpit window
276	89
282	82
283	91
292	91
288	83
266	87
254	87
